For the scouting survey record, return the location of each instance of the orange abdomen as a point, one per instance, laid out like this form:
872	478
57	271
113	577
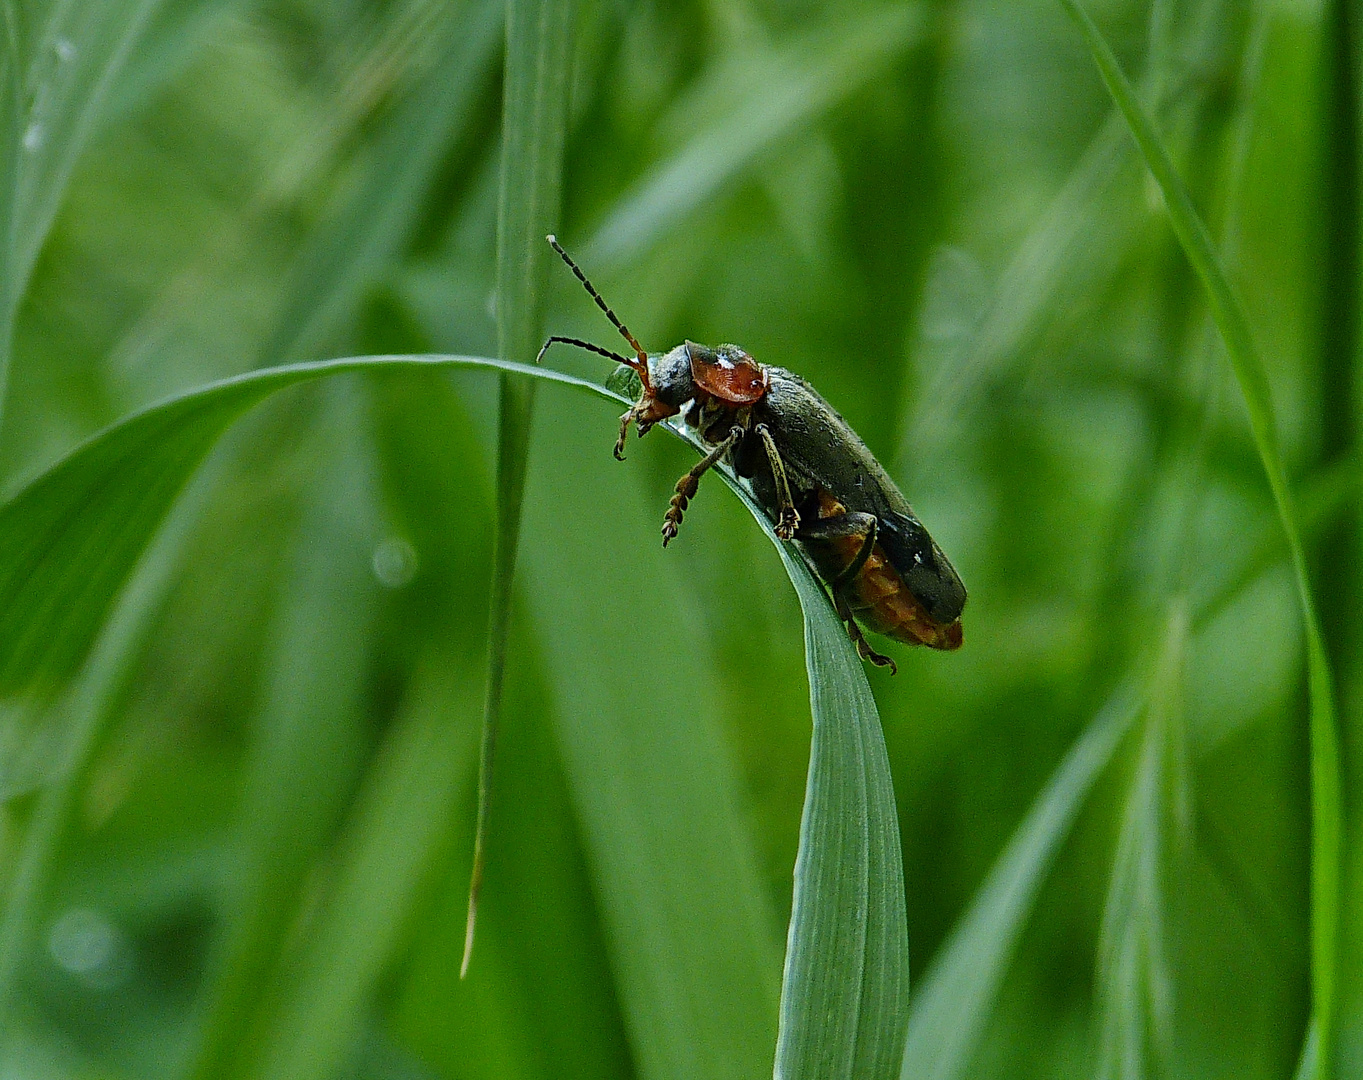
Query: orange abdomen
878	595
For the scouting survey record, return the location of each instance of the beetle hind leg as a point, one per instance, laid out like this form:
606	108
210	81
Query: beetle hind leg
688	484
848	524
864	649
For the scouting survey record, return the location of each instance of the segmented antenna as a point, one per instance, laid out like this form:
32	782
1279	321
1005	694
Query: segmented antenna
641	365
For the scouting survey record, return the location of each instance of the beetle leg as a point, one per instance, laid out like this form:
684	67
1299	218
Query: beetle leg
788	518
687	485
853	523
645	412
864	649
625	421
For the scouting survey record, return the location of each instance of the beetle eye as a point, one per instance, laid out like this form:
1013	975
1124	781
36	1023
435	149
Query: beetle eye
728	373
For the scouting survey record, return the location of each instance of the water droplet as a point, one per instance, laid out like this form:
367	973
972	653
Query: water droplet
86	944
33	136
394	562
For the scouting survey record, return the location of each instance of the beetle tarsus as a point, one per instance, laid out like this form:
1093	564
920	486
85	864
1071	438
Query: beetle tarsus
685	492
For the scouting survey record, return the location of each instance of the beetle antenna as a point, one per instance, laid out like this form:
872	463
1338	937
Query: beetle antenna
641	365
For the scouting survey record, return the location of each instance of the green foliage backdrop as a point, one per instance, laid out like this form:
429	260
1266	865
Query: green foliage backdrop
239	800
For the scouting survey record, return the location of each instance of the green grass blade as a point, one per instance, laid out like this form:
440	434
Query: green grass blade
638	716
534	124
69	538
308	736
955	996
63	70
844	994
750	104
1134	984
403	814
371	228
85	712
66	552
1254	388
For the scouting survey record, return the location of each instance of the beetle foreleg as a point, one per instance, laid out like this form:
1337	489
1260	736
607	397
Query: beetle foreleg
864	649
788	518
625	421
687	485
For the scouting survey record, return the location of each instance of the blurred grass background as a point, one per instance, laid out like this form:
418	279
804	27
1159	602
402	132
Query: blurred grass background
930	211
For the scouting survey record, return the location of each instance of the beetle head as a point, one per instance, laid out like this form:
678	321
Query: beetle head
673	383
728	373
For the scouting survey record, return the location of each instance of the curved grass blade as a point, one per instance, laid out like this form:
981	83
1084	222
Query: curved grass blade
845	989
760	99
949	1011
68	540
845	985
1254	388
534	124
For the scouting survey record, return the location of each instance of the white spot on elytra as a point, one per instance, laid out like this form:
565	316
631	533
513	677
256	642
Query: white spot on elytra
33	136
66	52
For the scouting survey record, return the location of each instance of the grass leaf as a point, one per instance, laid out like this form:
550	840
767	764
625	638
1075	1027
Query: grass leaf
534	123
1134	987
69	545
955	996
844	992
70	537
370	229
1254	388
58	79
762	99
844	996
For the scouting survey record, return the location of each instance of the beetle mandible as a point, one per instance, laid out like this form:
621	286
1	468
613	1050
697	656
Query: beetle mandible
808	470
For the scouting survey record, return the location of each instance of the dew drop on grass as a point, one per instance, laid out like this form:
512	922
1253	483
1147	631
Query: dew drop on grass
87	945
394	562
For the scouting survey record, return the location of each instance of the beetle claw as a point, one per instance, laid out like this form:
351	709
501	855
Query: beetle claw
790	521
